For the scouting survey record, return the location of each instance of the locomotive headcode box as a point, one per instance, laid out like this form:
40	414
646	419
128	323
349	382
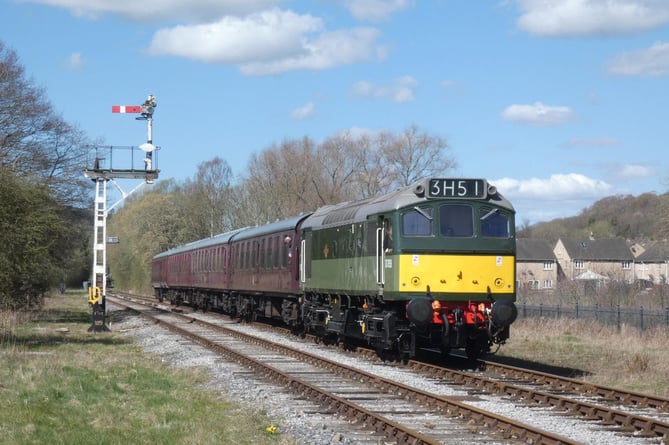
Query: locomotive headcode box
456	188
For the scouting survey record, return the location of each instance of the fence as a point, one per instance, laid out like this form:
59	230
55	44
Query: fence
616	316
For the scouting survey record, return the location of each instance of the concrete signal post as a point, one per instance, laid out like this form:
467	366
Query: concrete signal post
113	164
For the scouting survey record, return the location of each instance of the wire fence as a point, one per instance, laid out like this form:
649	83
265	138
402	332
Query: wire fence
617	316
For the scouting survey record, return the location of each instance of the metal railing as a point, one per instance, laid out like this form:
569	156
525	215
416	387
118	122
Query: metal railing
640	318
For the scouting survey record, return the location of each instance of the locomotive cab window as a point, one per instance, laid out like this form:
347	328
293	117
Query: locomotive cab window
417	222
494	223
456	220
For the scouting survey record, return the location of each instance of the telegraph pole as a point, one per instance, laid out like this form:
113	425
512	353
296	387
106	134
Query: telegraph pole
112	163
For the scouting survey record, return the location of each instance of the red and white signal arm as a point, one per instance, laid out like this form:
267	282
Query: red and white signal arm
126	109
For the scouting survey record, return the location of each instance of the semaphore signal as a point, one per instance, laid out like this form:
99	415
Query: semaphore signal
101	171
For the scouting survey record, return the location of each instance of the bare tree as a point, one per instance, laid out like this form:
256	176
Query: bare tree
297	176
413	155
371	177
282	178
339	159
210	190
34	141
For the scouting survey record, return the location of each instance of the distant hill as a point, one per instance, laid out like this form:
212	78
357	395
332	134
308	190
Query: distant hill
641	218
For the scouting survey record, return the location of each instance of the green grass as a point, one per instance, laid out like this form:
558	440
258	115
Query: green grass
77	387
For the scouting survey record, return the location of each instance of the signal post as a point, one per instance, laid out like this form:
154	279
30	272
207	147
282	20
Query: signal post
111	164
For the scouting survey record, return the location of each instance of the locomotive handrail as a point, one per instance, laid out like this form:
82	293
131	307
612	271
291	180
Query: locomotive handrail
380	254
303	274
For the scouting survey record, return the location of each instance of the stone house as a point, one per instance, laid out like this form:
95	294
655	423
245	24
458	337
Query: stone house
594	259
652	265
536	265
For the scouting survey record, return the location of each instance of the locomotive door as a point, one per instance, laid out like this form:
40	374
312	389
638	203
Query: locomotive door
383	246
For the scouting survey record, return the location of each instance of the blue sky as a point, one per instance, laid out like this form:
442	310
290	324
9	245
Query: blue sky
558	103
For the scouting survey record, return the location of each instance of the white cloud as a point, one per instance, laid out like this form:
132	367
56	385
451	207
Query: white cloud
653	61
375	10
75	61
537	114
632	171
327	50
571	186
269	42
304	111
157	10
262	36
584	17
559	196
400	91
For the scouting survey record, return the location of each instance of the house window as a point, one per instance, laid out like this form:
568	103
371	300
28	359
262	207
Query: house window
548	265
578	264
548	284
627	265
534	284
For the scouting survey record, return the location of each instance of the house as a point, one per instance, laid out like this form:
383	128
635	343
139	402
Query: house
595	259
652	266
536	265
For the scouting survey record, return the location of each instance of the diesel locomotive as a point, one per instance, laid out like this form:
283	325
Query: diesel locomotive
431	265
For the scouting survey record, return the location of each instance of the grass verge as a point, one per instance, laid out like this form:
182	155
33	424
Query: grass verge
624	358
60	384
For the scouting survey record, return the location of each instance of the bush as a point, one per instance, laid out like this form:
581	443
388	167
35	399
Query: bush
30	228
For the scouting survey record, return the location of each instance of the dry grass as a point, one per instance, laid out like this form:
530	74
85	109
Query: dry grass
625	358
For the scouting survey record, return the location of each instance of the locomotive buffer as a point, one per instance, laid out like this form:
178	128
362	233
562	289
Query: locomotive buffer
104	167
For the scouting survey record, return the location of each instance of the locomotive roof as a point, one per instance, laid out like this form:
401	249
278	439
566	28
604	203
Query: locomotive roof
221	238
358	211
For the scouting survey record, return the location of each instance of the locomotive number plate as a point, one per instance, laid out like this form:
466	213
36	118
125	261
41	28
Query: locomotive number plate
456	188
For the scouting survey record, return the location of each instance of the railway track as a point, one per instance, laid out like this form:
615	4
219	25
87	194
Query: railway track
631	412
403	414
523	386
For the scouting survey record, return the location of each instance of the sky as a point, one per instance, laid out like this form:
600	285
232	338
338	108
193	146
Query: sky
557	103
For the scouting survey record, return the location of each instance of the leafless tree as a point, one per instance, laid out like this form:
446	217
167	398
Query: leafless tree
210	191
282	178
34	140
372	176
299	176
339	160
414	154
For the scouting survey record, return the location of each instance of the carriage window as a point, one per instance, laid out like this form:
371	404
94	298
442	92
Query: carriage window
417	222
493	223
456	221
